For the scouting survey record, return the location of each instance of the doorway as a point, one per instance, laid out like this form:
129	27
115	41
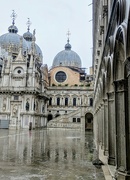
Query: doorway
88	121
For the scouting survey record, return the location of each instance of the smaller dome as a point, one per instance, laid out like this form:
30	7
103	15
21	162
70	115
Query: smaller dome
13	29
28	36
37	48
68	46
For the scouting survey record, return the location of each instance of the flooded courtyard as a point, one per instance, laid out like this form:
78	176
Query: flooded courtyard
53	154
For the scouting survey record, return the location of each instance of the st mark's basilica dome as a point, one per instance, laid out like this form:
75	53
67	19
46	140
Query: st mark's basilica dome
12	39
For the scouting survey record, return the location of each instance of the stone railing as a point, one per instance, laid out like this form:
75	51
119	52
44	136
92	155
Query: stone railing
64	121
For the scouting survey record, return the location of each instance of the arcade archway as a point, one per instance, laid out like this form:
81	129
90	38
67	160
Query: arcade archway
88	121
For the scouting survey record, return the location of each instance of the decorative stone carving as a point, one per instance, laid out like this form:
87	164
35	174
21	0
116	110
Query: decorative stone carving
15	110
120	85
4	104
128	65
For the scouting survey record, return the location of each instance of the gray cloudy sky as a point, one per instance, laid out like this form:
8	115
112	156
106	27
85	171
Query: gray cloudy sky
52	19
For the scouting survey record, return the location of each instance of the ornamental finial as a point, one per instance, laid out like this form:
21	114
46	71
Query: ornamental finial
28	24
13	16
68	35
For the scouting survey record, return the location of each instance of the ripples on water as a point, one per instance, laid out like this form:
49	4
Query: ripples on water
54	154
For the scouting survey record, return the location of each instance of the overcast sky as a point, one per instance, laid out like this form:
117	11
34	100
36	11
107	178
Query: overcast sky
52	19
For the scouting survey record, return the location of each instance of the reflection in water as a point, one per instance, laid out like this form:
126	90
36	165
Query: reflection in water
47	154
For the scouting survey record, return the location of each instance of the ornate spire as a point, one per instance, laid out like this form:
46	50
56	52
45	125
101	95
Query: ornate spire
68	34
28	36
28	24
13	28
13	16
68	46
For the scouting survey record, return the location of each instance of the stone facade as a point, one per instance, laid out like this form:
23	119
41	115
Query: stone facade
73	109
23	82
71	92
111	64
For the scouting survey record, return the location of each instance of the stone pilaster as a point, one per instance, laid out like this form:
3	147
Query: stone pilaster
82	119
111	129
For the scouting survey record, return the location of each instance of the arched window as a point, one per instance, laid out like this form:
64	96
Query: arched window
91	102
66	101
58	101
74	101
27	106
34	106
50	101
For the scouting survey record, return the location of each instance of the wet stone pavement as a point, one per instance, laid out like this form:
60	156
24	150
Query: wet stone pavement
54	154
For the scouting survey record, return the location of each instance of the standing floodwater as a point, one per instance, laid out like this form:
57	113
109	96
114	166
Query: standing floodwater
54	154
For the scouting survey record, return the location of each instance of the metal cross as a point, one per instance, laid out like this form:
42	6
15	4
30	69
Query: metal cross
68	34
13	16
28	24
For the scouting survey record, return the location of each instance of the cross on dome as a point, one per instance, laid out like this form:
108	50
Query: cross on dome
13	16
28	24
68	35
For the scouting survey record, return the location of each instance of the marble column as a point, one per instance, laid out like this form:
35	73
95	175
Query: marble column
95	126
105	132
102	126
111	129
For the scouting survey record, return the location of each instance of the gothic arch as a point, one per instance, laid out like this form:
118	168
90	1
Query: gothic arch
128	37
119	54
121	97
121	9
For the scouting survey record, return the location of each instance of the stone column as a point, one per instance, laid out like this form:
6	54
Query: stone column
32	104
111	129
102	126
105	133
128	126
53	100
122	128
95	126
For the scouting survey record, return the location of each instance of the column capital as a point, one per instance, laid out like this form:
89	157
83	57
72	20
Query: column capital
120	85
110	95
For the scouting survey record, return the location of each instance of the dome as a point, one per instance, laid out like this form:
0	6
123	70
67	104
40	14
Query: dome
67	57
12	39
13	29
37	48
28	36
